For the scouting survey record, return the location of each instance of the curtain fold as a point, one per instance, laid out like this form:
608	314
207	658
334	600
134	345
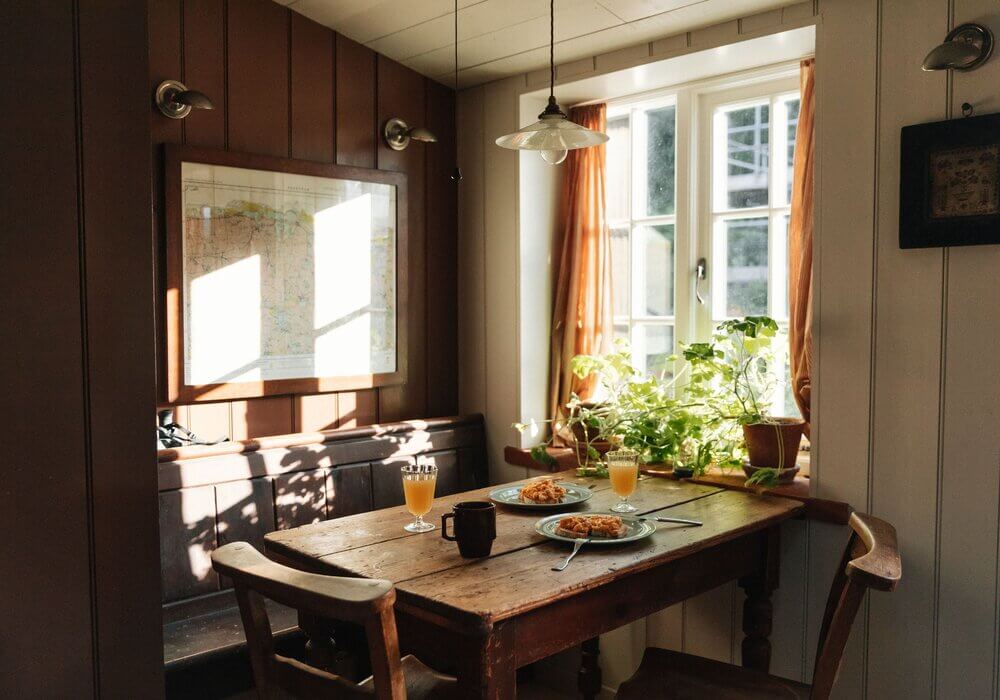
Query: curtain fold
581	320
800	247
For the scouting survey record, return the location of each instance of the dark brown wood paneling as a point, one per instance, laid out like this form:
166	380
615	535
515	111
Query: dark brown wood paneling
43	501
401	93
210	421
245	511
316	412
205	70
121	384
312	90
387	482
165	63
300	498
357	408
258	77
187	538
442	255
448	479
356	129
348	490
472	470
260	417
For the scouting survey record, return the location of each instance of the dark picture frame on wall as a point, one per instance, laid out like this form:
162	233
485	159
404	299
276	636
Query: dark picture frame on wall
950	183
283	276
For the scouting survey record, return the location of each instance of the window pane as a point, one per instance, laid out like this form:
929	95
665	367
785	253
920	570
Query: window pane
746	267
793	125
661	126
621	331
617	168
783	274
619	271
747	138
651	346
655	263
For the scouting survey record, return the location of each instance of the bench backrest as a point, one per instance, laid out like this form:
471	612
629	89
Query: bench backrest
232	492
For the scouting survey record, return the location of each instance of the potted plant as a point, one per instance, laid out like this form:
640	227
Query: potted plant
734	375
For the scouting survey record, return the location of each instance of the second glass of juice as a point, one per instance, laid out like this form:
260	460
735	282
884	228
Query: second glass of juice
623	472
419	481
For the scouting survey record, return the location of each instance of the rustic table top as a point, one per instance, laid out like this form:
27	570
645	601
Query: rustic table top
430	575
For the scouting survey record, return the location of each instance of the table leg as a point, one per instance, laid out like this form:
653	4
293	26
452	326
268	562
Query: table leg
757	608
487	670
589	677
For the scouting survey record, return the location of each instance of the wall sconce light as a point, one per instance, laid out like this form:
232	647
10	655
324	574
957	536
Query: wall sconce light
397	134
966	47
176	101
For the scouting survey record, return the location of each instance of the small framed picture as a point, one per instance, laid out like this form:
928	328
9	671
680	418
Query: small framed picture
950	183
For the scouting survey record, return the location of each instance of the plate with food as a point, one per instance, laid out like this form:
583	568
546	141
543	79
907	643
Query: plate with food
600	528
541	494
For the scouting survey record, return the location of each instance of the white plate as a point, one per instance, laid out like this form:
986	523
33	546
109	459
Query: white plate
638	528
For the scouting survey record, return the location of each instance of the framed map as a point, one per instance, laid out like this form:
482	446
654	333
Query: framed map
283	276
950	183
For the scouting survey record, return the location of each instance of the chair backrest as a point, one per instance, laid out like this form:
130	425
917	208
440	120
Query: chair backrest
871	560
366	602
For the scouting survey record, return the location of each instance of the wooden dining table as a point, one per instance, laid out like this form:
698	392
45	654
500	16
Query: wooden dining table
482	619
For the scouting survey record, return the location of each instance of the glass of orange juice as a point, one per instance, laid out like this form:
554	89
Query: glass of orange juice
418	490
623	471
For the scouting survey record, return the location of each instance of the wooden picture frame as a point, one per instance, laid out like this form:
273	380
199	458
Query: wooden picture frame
178	387
950	183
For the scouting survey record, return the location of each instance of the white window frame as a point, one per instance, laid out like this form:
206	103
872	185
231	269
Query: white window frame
697	225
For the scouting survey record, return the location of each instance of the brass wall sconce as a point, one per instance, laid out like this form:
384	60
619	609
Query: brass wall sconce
174	100
966	47
397	134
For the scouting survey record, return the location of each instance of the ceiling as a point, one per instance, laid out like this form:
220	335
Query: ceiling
498	38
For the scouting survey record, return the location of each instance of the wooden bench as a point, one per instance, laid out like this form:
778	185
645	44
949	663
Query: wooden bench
213	495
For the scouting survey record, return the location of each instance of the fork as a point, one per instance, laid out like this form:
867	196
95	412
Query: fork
576	548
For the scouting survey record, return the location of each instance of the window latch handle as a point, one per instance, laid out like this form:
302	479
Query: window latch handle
700	273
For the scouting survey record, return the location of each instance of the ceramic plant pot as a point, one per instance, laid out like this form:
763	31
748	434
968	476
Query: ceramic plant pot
774	444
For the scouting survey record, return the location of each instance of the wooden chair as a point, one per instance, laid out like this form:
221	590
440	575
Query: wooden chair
871	560
366	602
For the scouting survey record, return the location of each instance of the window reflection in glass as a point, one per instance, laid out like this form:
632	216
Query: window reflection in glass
661	127
617	165
747	154
746	266
656	258
652	345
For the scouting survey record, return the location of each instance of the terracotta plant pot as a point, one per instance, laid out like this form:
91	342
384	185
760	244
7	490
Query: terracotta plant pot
767	441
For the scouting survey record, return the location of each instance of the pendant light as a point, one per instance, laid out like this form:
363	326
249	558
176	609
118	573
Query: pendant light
457	174
553	134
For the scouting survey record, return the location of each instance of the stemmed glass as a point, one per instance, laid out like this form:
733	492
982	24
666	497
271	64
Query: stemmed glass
623	471
418	489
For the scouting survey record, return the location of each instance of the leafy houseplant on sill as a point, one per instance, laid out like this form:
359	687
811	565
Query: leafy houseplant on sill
733	375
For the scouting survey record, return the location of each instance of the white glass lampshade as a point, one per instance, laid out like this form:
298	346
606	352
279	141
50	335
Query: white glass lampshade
553	134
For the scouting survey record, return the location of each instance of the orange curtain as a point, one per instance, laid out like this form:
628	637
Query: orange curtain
800	275
581	319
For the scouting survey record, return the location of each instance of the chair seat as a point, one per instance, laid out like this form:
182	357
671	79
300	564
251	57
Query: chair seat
671	675
422	682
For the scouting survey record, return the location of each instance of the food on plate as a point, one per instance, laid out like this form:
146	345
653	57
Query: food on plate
591	526
544	491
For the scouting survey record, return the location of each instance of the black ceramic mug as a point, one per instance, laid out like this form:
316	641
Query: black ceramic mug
475	528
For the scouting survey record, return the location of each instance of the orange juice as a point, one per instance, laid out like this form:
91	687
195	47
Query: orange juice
419	494
623	478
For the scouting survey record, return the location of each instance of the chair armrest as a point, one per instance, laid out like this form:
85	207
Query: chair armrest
880	567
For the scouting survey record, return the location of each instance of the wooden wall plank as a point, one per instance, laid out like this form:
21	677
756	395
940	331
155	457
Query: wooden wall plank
118	281
269	415
165	50
709	623
42	339
442	255
258	77
357	408
187	527
210	421
905	471
312	90
968	656
355	118
205	70
348	490
843	303
316	412
401	93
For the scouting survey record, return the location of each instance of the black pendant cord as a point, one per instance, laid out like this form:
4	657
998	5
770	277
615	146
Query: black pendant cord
552	108
457	174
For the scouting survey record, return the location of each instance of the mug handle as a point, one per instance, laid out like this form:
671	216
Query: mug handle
444	526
